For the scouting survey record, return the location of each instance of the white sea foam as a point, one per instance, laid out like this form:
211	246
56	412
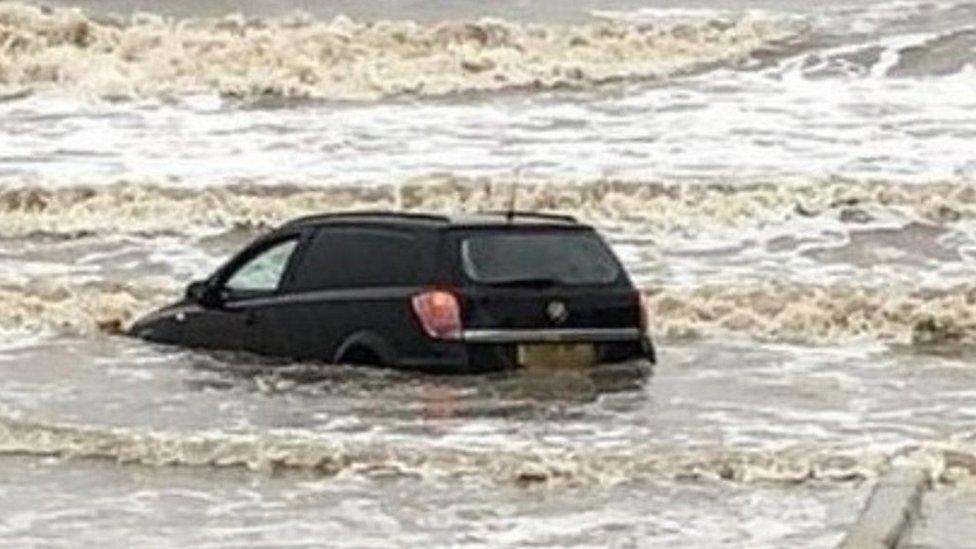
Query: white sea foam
152	56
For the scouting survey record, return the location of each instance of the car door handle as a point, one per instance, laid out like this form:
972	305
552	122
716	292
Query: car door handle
250	318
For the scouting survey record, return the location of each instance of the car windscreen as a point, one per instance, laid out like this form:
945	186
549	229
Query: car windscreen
552	257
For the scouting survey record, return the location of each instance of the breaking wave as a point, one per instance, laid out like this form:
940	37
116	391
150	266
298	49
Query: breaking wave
146	206
817	314
64	308
152	56
299	451
794	313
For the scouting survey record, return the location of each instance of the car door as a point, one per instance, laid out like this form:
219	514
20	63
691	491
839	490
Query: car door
351	281
247	287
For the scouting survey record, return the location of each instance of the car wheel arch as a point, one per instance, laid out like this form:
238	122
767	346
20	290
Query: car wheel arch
361	343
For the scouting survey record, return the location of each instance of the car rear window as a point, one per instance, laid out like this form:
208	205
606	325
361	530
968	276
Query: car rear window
558	257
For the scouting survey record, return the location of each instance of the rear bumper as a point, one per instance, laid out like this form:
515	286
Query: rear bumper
494	350
564	335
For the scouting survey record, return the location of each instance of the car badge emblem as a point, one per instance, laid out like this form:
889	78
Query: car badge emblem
557	311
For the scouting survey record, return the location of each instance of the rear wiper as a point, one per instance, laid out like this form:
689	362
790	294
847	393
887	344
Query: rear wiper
528	281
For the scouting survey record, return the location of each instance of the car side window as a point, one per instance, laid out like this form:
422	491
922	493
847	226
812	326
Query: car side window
346	257
263	272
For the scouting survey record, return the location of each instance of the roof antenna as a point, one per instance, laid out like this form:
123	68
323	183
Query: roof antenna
510	214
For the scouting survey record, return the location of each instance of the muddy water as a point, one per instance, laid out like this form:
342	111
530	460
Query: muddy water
793	190
188	507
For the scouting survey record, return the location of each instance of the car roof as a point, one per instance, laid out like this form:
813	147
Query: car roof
429	220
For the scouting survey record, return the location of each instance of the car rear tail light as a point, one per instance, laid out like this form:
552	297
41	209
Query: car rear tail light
439	313
643	308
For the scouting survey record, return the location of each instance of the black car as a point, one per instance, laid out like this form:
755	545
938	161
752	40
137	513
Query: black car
428	292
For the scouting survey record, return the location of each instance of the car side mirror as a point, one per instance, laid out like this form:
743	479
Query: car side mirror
201	292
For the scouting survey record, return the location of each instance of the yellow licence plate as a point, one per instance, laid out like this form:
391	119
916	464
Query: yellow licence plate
557	355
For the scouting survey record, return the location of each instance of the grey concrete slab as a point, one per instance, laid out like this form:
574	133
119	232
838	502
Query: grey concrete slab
890	511
948	520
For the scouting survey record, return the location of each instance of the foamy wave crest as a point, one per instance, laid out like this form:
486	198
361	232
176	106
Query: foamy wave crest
78	309
302	452
79	209
814	314
792	313
150	56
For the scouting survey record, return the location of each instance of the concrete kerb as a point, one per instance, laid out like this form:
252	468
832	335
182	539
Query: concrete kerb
892	508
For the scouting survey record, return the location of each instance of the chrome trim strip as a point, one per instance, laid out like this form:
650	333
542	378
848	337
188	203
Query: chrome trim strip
551	335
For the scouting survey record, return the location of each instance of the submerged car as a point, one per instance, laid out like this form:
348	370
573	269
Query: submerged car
428	292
